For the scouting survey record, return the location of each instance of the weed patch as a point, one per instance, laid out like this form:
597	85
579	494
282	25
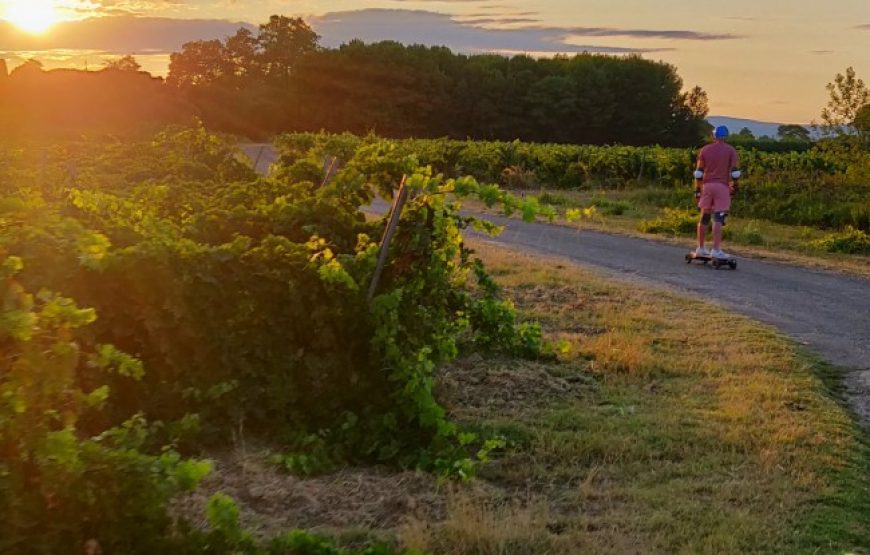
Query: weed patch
848	241
673	221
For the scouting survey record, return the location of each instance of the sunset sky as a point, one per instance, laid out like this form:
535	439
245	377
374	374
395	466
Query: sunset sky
762	59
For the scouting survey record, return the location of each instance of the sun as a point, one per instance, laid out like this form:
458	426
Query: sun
32	16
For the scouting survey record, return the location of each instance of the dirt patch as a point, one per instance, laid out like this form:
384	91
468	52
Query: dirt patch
382	500
271	501
475	387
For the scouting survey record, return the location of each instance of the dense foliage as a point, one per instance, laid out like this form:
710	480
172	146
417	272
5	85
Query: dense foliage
280	80
65	480
244	303
825	187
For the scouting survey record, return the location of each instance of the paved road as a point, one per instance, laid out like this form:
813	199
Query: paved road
827	312
262	154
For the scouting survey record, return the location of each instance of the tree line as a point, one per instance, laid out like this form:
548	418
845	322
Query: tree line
280	79
118	99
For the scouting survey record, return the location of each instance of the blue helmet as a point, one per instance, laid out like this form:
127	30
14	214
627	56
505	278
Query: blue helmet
721	132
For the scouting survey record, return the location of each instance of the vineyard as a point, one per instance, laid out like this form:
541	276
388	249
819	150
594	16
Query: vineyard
826	188
213	301
162	302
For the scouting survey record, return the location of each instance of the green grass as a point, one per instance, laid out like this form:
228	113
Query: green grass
673	440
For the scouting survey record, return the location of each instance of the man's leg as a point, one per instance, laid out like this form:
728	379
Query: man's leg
721	205
717	236
703	227
718	223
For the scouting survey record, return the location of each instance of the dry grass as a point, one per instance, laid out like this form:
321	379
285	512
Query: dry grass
702	432
483	528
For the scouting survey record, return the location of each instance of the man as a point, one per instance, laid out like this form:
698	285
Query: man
716	177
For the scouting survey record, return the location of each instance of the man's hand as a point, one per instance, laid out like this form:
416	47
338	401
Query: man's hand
733	187
697	193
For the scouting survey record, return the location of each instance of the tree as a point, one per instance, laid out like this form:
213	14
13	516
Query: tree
848	94
242	51
746	133
124	63
199	63
283	42
690	125
862	124
792	132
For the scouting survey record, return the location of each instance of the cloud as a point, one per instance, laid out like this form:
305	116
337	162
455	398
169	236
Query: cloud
508	20
425	27
821	52
130	7
508	31
119	34
634	33
864	27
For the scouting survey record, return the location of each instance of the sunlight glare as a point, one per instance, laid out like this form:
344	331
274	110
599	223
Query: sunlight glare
32	16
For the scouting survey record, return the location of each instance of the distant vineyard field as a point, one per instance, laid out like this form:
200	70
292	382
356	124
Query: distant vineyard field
565	166
824	188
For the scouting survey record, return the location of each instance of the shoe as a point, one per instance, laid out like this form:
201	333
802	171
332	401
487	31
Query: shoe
701	251
720	254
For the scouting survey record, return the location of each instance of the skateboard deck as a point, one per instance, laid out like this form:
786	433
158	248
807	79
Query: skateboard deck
717	263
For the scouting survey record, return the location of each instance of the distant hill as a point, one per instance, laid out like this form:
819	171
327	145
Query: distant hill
758	128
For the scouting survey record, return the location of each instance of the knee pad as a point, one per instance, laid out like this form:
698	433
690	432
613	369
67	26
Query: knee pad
705	219
720	217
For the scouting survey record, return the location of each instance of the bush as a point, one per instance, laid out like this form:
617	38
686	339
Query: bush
247	299
62	485
750	234
611	207
518	178
553	199
673	221
848	241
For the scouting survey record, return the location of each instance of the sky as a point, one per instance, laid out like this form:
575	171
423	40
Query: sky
760	59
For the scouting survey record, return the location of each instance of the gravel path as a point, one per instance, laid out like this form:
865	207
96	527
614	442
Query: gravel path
827	312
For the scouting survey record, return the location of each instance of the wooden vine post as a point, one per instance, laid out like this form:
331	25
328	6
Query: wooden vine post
395	214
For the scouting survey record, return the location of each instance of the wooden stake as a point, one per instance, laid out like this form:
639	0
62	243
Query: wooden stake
395	215
330	167
259	155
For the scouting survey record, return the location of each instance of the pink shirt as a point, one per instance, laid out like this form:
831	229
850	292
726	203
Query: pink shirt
717	159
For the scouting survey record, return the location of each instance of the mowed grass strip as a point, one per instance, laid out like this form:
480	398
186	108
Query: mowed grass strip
668	425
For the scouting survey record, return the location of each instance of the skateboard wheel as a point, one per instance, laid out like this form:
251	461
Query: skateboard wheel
732	264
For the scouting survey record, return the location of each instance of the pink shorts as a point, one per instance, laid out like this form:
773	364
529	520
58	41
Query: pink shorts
716	197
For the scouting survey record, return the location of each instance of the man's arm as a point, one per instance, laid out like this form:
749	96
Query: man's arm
736	174
699	174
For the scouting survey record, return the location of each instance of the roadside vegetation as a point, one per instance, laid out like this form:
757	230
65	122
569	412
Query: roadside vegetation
160	298
629	441
200	360
812	207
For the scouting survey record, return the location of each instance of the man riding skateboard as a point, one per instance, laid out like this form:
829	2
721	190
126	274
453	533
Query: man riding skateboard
716	177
